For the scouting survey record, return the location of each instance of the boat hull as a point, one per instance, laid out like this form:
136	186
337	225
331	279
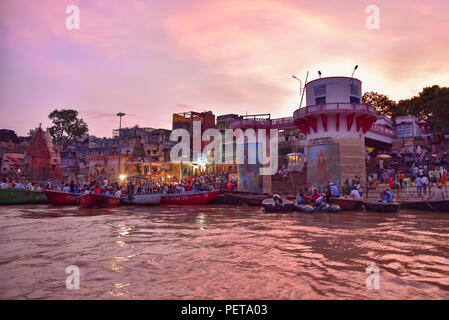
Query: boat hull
332	208
94	200
307	208
227	198
22	196
189	198
62	198
426	205
144	199
381	207
347	204
254	201
270	207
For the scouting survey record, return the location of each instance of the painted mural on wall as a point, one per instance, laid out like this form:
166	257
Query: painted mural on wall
248	174
323	164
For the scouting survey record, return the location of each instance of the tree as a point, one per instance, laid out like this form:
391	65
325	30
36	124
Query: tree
383	104
432	105
67	126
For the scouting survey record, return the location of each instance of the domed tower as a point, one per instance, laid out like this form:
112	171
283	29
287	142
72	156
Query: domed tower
335	122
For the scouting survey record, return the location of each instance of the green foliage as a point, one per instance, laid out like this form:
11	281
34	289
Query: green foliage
383	104
67	126
432	105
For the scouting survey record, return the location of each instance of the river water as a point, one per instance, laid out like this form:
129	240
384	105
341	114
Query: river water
220	252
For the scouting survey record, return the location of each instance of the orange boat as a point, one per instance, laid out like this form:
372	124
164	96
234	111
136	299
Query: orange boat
189	198
62	198
98	200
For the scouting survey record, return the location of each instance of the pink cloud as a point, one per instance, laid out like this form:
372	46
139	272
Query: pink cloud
146	57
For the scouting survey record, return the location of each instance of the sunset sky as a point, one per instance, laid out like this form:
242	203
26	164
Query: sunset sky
151	59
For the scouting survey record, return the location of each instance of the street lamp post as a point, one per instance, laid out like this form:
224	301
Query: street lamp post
120	115
301	88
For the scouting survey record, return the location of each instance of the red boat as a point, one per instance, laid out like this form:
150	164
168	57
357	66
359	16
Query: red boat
62	198
189	198
347	204
97	200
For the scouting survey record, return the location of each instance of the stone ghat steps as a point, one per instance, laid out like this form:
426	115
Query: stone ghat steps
402	193
289	185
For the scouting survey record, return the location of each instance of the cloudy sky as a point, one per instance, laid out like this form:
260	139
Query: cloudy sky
151	58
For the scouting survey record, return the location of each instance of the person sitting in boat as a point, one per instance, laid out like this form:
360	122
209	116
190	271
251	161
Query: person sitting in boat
118	193
315	195
347	187
390	194
278	202
299	198
355	194
334	192
437	194
384	197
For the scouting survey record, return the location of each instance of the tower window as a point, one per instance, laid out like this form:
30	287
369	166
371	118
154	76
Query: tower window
354	99
320	100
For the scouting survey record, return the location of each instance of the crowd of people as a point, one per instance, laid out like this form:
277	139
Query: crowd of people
195	183
419	177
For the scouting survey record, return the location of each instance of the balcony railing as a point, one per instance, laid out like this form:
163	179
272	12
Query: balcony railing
345	107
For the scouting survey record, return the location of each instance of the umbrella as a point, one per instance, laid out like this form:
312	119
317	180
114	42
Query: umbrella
383	156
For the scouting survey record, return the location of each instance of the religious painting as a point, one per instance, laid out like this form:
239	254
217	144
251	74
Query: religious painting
323	164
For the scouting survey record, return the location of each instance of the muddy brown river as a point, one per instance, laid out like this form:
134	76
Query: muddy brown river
221	252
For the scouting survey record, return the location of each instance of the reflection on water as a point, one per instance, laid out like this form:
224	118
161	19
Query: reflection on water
220	252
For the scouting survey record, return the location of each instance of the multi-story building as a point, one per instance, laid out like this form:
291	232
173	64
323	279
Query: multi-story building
12	164
185	120
224	121
132	132
291	140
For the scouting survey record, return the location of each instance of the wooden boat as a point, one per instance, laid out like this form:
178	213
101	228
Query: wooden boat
270	206
347	204
21	196
98	200
189	198
381	206
226	198
252	200
426	205
62	198
142	198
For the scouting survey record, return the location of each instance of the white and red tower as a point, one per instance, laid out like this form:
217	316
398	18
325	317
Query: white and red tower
335	122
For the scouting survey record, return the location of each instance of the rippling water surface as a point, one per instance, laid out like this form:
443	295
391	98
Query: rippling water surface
219	252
